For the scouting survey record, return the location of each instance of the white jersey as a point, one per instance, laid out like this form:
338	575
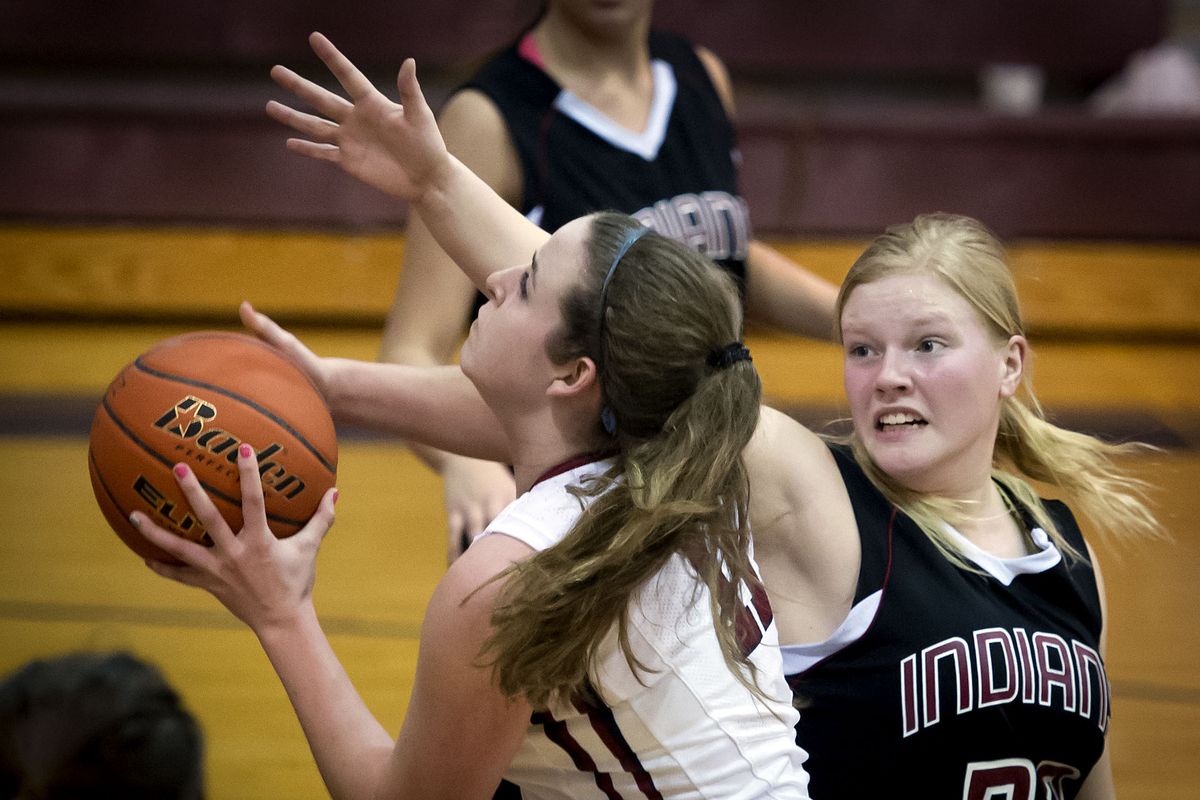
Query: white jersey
684	727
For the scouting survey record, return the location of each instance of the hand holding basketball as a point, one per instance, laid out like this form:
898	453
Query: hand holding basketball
262	580
197	399
272	333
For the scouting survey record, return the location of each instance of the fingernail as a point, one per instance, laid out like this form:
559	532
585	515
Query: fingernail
245	451
336	495
135	520
181	470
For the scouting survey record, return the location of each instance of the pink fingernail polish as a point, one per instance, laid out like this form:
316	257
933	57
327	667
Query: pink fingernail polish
181	470
244	451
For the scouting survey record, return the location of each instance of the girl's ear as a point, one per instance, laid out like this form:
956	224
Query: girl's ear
1013	365
576	377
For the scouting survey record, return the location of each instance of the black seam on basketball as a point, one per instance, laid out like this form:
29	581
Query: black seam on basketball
246	339
169	464
104	484
234	395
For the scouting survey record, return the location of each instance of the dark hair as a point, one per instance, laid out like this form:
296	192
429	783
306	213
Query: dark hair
91	725
682	418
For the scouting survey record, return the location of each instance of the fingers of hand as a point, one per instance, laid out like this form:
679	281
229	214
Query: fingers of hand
254	512
410	88
311	125
325	152
314	531
353	81
202	505
324	101
265	328
256	323
186	551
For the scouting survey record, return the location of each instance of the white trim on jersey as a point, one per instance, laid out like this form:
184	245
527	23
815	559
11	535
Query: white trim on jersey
1006	570
646	143
799	657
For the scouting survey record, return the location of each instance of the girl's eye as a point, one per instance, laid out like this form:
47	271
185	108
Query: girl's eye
859	351
523	286
929	346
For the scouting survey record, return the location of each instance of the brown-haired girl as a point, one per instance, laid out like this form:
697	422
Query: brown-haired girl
607	635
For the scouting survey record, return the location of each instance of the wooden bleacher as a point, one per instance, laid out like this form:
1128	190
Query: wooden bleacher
853	115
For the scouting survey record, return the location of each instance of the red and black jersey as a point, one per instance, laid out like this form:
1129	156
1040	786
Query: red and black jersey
945	682
678	176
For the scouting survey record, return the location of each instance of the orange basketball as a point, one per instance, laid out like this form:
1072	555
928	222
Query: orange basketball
194	399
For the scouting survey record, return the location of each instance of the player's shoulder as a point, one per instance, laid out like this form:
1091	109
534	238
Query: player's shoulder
472	583
470	109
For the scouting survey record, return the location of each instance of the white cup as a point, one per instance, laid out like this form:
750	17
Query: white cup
1012	88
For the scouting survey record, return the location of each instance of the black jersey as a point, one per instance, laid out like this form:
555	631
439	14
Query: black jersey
678	176
944	682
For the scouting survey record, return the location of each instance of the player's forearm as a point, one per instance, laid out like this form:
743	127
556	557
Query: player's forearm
350	747
434	406
787	296
476	227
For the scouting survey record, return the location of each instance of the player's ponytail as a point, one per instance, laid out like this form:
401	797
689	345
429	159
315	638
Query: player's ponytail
681	401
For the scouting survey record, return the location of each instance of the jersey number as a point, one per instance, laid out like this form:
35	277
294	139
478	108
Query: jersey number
1016	779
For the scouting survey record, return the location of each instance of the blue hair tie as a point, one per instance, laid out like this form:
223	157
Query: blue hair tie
631	236
607	418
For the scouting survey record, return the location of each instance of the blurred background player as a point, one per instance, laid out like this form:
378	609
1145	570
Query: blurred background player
589	109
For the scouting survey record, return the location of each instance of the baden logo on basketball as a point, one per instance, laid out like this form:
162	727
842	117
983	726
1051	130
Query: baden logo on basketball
181	519
188	421
199	398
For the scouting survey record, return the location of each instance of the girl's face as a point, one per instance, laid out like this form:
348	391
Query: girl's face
505	352
602	15
925	379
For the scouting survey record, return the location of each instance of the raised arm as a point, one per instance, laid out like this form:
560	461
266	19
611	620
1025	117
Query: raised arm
398	149
433	303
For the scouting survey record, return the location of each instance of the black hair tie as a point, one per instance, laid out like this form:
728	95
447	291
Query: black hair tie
730	354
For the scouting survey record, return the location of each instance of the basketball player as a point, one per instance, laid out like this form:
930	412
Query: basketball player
607	635
589	110
943	624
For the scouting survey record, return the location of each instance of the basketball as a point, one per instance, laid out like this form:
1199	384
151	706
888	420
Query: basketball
194	399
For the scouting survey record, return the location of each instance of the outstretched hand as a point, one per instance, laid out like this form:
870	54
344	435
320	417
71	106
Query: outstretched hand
266	582
270	332
395	148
